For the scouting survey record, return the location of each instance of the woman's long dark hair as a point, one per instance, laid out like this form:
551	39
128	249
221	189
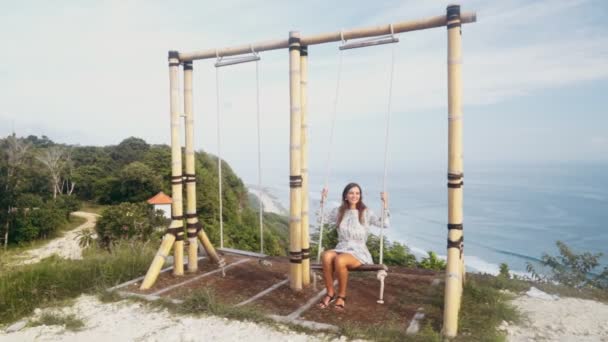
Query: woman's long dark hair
345	205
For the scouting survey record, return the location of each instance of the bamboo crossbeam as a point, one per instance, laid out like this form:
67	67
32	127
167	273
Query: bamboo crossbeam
366	32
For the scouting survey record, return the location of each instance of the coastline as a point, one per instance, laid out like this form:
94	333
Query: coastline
270	203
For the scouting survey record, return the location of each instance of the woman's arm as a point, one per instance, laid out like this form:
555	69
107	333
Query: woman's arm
330	215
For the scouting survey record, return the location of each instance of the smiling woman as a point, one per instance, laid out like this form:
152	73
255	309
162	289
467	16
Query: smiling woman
352	220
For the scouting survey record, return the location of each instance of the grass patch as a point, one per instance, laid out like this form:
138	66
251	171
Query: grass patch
482	310
389	332
70	322
55	279
105	296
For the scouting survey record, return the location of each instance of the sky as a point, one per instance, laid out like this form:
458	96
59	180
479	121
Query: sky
535	79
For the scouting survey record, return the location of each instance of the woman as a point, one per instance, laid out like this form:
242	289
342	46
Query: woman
352	220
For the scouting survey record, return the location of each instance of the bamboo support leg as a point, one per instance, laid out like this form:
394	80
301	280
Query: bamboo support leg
178	256
158	262
211	252
192	254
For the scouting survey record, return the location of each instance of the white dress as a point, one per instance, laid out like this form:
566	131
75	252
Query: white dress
352	234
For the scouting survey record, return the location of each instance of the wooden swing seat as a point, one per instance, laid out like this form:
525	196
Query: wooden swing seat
362	268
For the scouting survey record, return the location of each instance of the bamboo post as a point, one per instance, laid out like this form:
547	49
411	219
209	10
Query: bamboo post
295	178
193	225
304	164
177	224
454	271
190	176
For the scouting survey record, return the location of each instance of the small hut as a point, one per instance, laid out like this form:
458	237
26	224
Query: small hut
162	201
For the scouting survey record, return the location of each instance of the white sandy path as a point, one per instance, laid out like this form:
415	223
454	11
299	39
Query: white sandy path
564	319
65	246
129	321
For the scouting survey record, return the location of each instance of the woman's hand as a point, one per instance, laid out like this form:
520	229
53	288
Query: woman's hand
323	195
384	199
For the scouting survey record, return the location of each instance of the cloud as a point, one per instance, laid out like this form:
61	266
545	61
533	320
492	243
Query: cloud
96	72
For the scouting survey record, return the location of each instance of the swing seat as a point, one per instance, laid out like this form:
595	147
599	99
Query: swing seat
382	273
362	268
239	252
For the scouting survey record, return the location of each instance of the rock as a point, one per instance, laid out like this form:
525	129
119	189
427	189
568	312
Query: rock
16	326
37	311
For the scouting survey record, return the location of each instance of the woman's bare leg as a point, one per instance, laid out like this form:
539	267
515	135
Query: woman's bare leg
342	264
328	270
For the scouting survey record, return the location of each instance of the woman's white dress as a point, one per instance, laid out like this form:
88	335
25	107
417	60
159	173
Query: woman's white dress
352	234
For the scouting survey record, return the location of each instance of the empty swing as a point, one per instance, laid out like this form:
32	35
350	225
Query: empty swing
225	61
380	268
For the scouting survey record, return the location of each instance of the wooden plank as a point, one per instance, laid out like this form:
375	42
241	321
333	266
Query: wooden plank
242	253
263	293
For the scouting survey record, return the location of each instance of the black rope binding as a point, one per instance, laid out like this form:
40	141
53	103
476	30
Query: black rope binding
305	253
455	185
456	244
457	226
295	181
295	257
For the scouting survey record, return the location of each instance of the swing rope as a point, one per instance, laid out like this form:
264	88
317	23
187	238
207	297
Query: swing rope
386	136
257	89
327	163
219	153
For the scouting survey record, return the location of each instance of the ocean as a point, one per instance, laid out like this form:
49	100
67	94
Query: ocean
512	213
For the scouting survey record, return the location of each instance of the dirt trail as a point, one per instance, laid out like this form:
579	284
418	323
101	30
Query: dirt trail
65	246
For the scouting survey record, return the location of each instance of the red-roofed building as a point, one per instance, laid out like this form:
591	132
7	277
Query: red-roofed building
162	202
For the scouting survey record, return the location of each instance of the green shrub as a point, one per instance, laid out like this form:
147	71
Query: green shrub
432	262
571	269
504	271
133	221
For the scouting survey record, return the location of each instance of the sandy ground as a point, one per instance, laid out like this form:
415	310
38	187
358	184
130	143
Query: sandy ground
128	321
65	246
559	319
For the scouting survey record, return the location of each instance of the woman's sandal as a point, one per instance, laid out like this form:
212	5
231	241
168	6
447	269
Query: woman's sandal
340	307
323	305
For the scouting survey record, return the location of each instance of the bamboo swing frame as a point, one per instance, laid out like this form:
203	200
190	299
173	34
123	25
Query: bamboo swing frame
299	248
